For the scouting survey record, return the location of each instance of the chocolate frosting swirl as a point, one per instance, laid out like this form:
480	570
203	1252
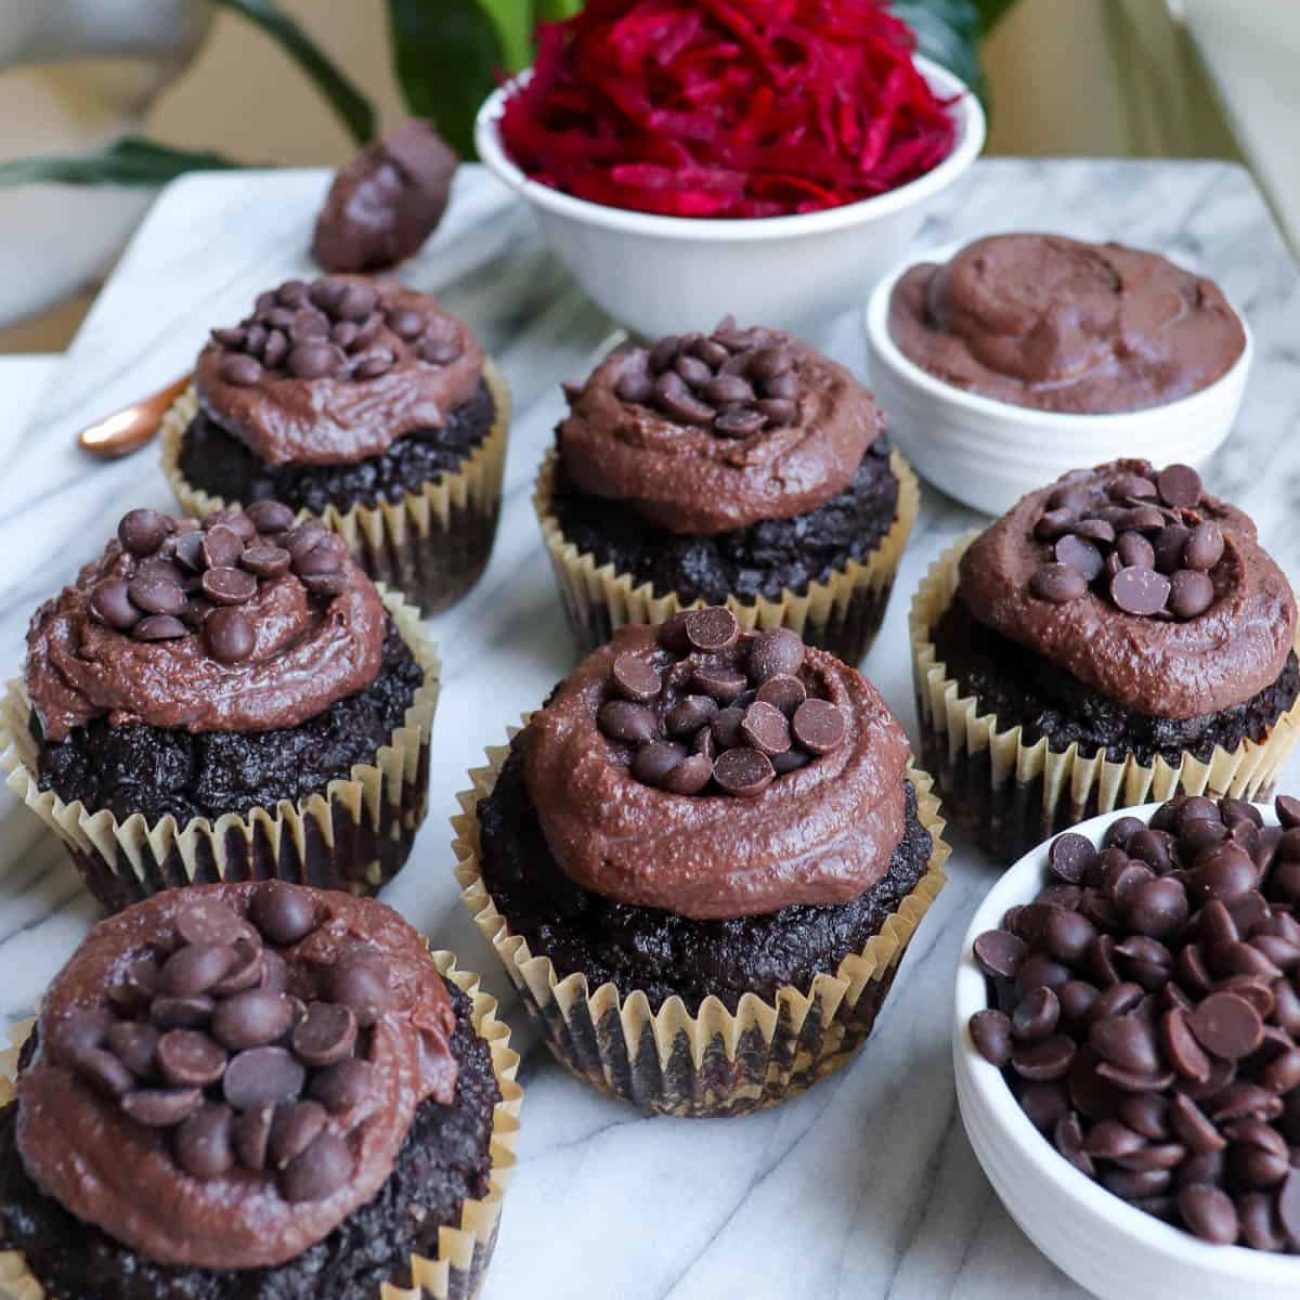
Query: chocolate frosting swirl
1160	667
305	652
334	409
80	1147
1061	325
821	834
687	479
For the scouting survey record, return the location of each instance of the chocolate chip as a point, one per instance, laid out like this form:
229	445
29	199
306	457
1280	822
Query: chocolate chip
818	725
718	682
230	635
781	388
103	1071
1179	485
1204	548
1190	593
654	760
161	1107
728	390
1079	554
990	1031
322	558
344	1086
1057	583
712	630
326	584
208	921
313	359
690	776
229	586
283	913
221	546
142	531
743	772
625	721
1135	551
270	516
999	954
263	1076
265	561
136	1046
253	1018
765	728
778	652
110	602
1227	1025
325	1035
634	678
1139	591
783	693
319	1171
1070	857
181	1012
189	1058
1125	1041
194	969
740	422
239	370
360	981
1209	1213
251	1136
675	399
635	387
156	596
247	971
689	714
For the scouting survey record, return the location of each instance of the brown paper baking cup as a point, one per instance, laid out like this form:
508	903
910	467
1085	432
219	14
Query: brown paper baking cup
432	545
841	614
354	835
464	1251
1009	793
715	1062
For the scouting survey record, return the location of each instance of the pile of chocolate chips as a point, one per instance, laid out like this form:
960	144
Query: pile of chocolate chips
206	1043
735	382
1139	540
1148	1015
710	713
175	577
330	329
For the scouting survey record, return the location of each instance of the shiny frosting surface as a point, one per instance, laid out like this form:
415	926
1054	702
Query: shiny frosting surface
1054	323
687	479
340	417
306	651
821	834
82	1149
1155	665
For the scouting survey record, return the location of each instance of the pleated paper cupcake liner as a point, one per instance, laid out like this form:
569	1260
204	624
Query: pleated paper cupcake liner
841	614
464	1250
1009	793
715	1062
432	545
354	835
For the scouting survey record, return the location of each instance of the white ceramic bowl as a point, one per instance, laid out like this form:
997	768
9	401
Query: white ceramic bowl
988	454
1103	1243
663	275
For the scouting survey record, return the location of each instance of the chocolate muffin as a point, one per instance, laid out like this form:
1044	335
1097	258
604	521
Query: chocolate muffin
364	404
1119	635
1140	1008
256	1092
740	469
1060	325
224	701
702	862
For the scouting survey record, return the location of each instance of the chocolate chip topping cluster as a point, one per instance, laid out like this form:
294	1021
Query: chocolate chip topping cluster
1148	1013
734	382
1141	541
205	1044
334	328
175	577
704	717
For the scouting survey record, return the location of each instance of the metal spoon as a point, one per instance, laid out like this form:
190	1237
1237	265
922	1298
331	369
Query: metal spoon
129	429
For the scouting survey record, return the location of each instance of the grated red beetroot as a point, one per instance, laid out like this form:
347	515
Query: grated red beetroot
726	108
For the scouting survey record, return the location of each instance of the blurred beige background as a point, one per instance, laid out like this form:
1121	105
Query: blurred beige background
1097	77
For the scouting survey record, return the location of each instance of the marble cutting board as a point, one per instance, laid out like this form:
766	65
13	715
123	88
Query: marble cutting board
865	1187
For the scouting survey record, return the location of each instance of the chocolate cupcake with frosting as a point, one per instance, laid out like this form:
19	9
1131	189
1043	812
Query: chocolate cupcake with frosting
364	404
1119	636
259	1091
223	701
702	862
741	468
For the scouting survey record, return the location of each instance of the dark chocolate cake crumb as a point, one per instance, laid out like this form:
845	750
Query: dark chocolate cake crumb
761	560
658	952
216	462
1023	688
156	771
445	1161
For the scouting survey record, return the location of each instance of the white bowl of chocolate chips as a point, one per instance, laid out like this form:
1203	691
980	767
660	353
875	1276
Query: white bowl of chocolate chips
1124	1049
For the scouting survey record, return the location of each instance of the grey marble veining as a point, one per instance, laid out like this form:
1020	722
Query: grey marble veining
865	1187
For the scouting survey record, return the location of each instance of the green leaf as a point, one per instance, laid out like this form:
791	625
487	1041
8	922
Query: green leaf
992	12
513	20
948	32
553	11
131	161
348	102
448	54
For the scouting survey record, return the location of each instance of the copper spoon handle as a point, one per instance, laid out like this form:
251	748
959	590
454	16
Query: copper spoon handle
130	428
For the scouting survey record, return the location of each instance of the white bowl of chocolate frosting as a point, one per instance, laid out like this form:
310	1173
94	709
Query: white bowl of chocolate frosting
1107	1245
1004	363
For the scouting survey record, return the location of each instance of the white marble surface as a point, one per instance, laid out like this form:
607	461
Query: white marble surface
864	1187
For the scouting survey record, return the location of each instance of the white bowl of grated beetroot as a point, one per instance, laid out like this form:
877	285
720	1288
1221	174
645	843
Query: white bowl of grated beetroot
1103	1242
667	274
